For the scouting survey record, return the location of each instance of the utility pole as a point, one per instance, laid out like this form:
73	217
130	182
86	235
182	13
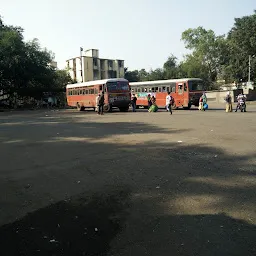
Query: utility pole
81	62
249	74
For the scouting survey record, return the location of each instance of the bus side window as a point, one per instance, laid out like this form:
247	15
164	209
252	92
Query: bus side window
168	89
142	89
100	87
173	87
164	89
81	92
185	87
138	89
160	89
153	89
96	91
156	89
180	90
146	89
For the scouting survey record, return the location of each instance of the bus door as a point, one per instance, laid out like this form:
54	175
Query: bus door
179	99
186	95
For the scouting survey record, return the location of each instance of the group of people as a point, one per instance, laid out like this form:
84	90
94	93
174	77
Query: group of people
152	106
241	100
203	102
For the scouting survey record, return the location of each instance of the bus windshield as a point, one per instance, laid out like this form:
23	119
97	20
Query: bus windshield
117	86
196	85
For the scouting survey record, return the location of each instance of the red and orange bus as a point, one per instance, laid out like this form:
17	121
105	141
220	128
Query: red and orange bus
116	90
186	92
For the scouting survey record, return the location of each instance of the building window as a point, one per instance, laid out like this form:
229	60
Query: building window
95	62
110	63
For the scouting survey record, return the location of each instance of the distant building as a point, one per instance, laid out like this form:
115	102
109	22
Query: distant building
94	68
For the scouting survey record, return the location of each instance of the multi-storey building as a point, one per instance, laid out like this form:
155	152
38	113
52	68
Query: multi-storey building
90	67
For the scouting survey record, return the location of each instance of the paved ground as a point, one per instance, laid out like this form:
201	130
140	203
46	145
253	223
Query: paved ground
74	183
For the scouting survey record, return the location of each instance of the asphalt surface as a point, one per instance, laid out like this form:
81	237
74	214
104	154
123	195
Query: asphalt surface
75	183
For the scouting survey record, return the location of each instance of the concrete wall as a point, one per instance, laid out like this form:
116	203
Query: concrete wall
218	97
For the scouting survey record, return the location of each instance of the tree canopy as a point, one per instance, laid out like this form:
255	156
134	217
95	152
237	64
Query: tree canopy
212	57
25	68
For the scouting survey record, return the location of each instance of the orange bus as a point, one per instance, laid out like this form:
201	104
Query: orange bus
186	92
116	90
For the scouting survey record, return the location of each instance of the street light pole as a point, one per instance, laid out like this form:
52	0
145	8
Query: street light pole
249	74
81	62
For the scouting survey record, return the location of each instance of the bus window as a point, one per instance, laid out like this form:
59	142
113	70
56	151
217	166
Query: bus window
86	91
172	87
168	89
156	89
164	89
180	90
81	92
100	87
153	89
160	89
96	91
185	87
142	89
145	89
138	89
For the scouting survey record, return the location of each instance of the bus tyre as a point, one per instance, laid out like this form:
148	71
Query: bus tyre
188	107
107	108
124	109
80	108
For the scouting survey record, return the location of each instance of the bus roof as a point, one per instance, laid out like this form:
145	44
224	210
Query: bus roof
164	81
104	81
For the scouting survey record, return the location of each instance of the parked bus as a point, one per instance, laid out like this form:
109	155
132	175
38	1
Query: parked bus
116	90
186	92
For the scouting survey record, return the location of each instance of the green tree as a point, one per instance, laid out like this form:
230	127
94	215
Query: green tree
207	50
171	68
241	43
24	66
131	76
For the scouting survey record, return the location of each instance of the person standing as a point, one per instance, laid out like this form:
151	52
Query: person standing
149	101
97	103
169	102
101	104
228	100
133	102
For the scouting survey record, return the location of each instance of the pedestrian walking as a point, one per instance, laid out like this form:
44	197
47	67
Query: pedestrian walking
133	102
101	104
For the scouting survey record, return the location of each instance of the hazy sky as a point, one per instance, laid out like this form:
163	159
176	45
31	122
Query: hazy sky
142	32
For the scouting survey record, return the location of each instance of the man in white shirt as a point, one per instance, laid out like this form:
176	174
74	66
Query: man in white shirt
168	102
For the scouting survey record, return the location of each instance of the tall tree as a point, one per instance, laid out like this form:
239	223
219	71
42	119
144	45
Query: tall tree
207	49
242	43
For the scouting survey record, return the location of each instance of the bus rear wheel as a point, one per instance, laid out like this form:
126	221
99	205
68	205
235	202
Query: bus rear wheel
80	108
124	109
188	107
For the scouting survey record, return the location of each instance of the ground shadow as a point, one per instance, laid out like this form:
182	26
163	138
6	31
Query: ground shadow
80	225
167	198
